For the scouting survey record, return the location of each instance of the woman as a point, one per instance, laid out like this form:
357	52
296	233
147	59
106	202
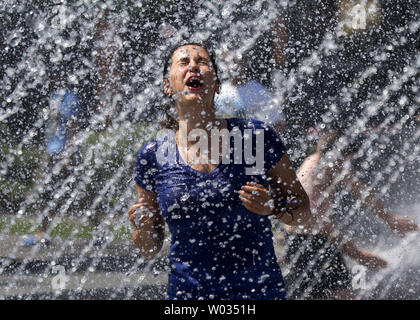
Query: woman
221	240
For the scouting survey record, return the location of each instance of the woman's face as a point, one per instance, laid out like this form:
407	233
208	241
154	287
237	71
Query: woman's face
191	76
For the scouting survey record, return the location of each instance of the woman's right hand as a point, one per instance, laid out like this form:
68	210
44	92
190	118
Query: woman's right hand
148	224
131	214
140	213
149	228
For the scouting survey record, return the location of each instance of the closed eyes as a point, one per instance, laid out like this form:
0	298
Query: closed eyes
186	61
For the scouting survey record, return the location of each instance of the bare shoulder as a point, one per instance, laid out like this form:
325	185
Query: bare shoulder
308	166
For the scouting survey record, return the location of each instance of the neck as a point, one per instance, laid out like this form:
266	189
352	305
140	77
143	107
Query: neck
196	117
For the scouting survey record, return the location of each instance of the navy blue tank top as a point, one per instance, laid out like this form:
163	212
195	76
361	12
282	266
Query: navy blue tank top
219	249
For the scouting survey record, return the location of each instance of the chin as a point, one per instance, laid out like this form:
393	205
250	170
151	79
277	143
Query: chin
193	97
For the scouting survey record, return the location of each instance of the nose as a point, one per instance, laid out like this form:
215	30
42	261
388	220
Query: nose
193	67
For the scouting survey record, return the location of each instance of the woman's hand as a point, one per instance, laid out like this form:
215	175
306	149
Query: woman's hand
256	199
140	213
365	258
148	223
371	260
401	225
284	183
131	214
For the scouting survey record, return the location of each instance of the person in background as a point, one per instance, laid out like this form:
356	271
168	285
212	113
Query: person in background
315	251
245	97
63	155
108	48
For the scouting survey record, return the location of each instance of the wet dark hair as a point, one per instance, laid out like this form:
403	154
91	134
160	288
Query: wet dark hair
170	122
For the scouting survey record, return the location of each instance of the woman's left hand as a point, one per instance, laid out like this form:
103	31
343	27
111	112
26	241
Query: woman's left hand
256	198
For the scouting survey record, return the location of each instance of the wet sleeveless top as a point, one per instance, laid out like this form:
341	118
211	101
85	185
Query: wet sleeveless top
219	249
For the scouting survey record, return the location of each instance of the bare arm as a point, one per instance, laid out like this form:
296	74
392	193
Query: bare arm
366	258
321	220
108	67
279	41
285	183
149	228
401	225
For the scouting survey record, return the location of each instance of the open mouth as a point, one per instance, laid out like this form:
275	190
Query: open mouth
194	83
